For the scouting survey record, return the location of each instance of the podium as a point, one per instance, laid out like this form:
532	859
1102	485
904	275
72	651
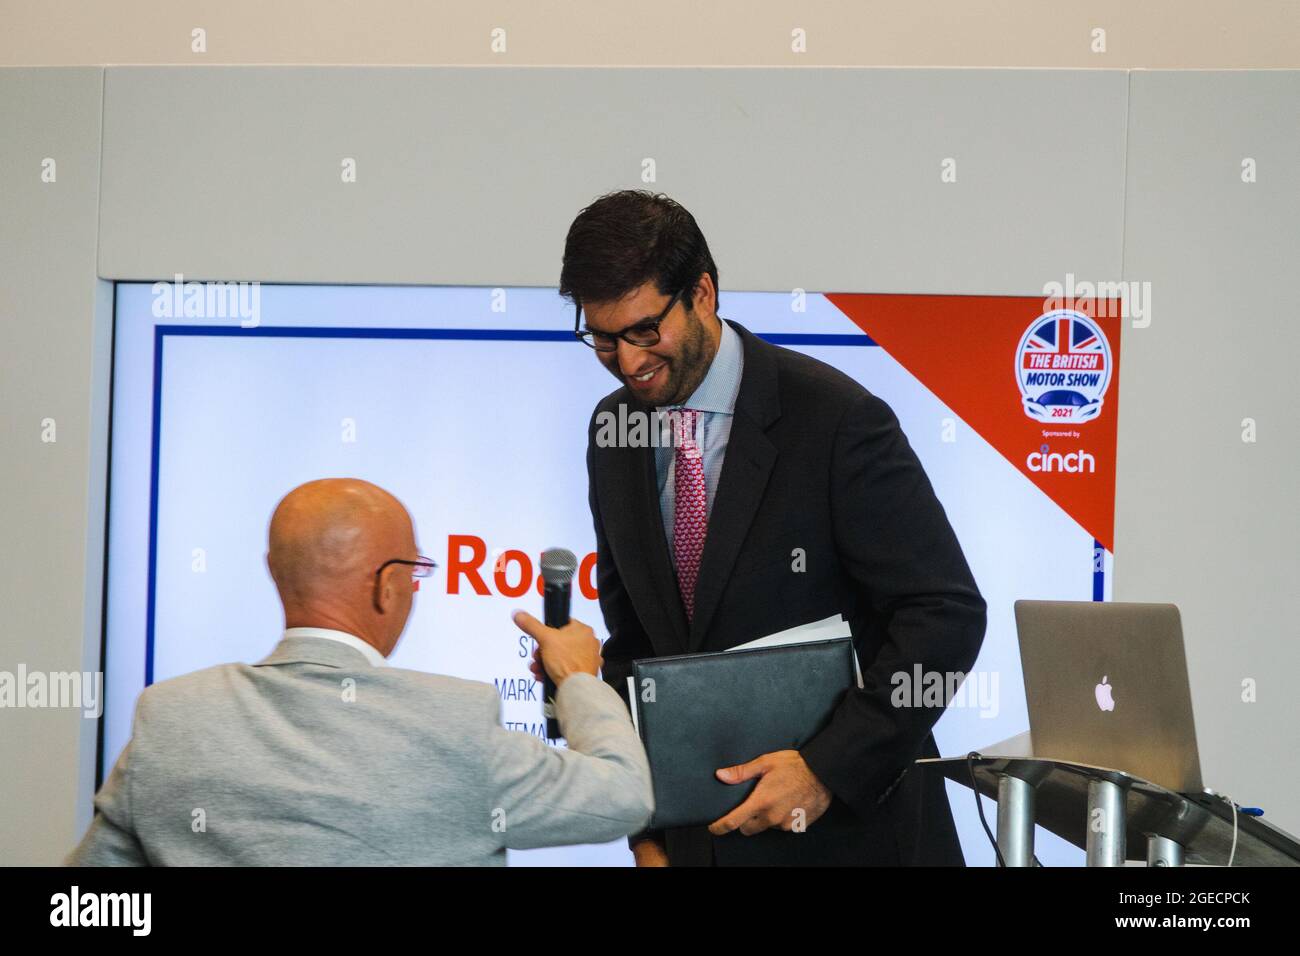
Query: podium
1113	815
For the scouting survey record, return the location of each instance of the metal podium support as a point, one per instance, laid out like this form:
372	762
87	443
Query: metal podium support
1107	809
1161	851
1112	815
1015	820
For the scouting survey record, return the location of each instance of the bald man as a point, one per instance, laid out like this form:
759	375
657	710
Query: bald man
322	755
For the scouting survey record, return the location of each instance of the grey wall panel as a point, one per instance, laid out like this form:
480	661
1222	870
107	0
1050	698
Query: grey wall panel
824	179
51	516
1204	519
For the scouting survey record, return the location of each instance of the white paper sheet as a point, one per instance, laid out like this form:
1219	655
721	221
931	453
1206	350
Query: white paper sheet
824	630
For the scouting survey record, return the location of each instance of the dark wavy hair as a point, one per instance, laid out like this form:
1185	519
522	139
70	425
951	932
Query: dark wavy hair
627	238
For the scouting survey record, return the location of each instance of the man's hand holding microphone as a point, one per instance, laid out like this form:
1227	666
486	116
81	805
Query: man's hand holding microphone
574	649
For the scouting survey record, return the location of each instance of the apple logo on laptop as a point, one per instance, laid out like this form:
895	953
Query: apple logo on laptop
1104	700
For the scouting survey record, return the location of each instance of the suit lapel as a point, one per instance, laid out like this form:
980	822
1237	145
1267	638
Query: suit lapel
652	587
651	522
746	468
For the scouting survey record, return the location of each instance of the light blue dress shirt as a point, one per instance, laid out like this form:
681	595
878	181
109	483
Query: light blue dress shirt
715	400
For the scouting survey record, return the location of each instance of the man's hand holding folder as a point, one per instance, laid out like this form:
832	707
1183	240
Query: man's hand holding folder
787	783
788	793
748	709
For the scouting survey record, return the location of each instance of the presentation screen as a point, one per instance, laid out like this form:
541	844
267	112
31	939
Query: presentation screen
471	405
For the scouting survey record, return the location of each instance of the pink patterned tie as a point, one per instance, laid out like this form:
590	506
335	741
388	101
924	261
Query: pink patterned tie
690	506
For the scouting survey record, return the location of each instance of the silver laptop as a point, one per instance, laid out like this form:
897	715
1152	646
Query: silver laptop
1106	685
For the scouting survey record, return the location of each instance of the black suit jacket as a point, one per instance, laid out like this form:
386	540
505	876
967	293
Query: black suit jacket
814	464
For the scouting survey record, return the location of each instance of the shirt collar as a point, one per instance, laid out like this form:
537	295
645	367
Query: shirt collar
721	385
351	640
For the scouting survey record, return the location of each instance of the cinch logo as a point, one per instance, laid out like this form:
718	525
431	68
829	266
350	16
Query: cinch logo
511	572
1075	462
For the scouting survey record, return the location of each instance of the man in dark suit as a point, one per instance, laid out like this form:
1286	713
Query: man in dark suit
787	495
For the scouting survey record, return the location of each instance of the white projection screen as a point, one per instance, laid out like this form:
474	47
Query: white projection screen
471	405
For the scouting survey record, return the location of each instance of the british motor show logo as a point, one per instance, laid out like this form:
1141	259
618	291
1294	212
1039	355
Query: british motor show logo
1063	368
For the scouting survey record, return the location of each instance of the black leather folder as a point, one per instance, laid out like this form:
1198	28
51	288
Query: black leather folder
697	713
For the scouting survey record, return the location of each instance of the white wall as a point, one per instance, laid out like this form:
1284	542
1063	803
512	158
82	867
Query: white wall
52	354
1204	519
1153	34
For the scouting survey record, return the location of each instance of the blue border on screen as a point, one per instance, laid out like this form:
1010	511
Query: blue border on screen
481	335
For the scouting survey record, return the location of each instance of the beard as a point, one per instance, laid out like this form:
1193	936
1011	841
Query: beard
684	371
688	370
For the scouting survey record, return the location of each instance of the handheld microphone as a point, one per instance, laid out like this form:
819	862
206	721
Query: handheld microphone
558	567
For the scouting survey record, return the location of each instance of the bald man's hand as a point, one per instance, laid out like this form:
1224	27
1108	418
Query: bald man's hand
572	649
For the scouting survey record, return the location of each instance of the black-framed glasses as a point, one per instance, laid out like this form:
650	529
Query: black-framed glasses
420	568
643	335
